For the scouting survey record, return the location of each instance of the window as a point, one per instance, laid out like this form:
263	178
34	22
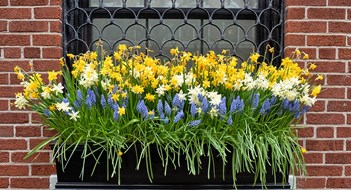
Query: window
240	26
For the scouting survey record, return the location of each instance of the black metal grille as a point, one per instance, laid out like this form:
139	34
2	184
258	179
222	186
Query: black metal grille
240	26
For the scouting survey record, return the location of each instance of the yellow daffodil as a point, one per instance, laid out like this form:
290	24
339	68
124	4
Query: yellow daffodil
312	66
52	75
316	91
305	56
319	77
303	150
271	50
137	89
254	57
150	97
174	52
121	111
71	56
120	153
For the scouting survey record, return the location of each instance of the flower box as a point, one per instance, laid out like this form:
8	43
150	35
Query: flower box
175	178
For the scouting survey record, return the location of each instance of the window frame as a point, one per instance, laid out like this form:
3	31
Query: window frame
148	12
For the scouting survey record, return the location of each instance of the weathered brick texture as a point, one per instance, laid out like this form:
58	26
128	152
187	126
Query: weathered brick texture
324	27
30	31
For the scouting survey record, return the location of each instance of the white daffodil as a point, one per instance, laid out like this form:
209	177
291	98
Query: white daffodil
74	115
63	106
21	101
161	90
89	77
181	95
57	88
215	98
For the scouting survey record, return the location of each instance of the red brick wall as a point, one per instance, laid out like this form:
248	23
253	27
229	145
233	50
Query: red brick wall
30	31
322	28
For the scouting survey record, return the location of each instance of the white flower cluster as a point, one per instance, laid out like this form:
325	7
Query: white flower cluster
89	76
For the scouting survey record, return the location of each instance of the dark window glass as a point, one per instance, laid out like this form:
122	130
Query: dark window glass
241	26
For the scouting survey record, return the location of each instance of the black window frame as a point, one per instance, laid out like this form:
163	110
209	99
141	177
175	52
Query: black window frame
263	36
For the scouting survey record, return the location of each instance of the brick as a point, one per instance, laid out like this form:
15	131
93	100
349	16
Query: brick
47	13
56	27
3	26
42	157
343	132
294	40
54	53
28	131
47	40
308	183
335	93
8	117
34	183
339	183
32	52
326	13
304	132
339	27
295	13
6	131
348	118
325	118
306	26
313	158
339	106
348	170
28	3
324	145
338	158
47	132
4	182
326	40
13	170
43	170
46	65
342	80
323	170
325	132
35	141
348	145
36	118
15	13
327	53
4	79
9	91
345	53
4	157
14	40
339	3
305	3
319	106
4	2
12	52
55	2
13	144
349	93
29	26
8	65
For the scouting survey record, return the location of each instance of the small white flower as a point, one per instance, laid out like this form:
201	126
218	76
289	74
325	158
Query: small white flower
215	98
161	90
74	115
57	88
181	95
21	101
213	112
63	106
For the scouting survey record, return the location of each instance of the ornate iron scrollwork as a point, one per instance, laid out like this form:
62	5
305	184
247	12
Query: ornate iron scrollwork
241	26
